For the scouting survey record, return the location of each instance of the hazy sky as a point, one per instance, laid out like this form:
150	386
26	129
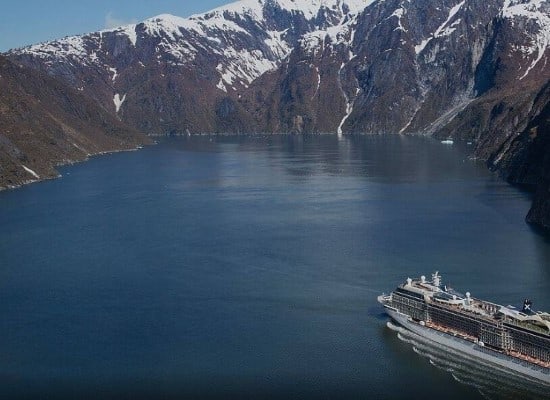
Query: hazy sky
24	22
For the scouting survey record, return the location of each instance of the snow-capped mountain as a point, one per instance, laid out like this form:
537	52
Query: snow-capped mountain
225	50
437	56
461	68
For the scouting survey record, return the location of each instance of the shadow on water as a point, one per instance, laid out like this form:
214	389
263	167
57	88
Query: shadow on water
492	382
543	233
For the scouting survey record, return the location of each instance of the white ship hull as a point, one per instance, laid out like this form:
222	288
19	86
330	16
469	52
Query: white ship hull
493	358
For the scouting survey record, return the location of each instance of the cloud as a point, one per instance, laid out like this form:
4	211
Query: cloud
113	22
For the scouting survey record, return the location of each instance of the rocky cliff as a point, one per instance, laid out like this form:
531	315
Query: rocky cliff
451	68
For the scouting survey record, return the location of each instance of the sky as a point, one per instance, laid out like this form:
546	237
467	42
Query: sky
24	22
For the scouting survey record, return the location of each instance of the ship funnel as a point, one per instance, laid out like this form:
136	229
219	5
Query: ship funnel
423	279
409	281
468	299
527	306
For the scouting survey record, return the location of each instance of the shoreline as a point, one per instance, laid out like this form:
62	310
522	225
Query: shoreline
65	163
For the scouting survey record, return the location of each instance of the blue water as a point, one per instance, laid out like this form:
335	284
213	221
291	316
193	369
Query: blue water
217	267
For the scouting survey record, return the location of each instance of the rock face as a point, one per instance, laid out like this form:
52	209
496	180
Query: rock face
451	68
525	159
44	123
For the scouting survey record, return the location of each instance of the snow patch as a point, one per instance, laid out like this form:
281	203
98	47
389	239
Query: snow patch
318	82
118	101
341	34
537	11
115	74
30	171
420	47
71	47
443	29
349	109
309	8
221	86
349	102
220	33
244	66
130	31
399	14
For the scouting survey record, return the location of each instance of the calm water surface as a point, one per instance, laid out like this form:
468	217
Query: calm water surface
250	267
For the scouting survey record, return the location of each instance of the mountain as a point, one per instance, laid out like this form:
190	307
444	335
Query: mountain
173	75
45	123
464	69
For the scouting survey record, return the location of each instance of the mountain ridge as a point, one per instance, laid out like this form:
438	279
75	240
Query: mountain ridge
449	68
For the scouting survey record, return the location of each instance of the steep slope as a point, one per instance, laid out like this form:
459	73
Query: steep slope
451	68
413	66
173	75
44	123
325	65
525	159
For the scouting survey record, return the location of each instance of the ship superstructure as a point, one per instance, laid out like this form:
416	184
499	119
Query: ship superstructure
522	337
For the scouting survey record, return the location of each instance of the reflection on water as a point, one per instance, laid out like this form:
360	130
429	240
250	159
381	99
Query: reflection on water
388	159
493	382
251	262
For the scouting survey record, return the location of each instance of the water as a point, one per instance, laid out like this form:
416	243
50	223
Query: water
249	267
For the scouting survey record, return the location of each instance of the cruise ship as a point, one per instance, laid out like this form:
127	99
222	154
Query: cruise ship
506	338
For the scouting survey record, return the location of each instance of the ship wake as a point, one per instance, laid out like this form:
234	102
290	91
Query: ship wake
493	383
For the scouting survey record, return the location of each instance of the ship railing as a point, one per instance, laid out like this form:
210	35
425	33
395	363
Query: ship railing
527	325
385	297
498	354
465	311
512	359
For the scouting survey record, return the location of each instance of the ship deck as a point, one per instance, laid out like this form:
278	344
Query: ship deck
478	313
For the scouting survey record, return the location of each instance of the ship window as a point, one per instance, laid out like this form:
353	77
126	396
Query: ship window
411	294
